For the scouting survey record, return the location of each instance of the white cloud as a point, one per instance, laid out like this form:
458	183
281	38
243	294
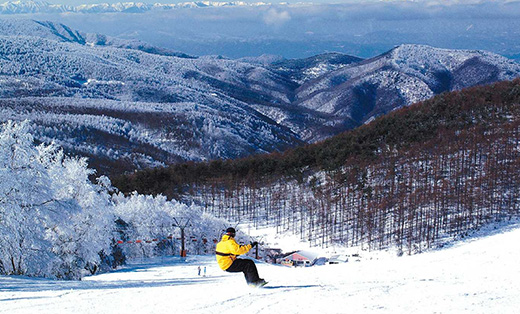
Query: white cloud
273	17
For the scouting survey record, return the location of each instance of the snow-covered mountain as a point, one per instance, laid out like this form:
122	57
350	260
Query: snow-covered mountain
114	100
115	103
303	70
407	74
35	6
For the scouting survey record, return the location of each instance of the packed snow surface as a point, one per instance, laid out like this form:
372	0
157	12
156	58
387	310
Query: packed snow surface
479	275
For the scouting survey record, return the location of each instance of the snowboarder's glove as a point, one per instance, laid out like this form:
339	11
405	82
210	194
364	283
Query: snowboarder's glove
253	244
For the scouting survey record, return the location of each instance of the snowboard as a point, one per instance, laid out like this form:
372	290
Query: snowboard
259	285
262	284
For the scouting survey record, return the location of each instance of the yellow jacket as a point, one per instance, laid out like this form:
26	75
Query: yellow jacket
227	251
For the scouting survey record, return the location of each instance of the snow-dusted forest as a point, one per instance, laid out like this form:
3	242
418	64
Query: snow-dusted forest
56	223
413	179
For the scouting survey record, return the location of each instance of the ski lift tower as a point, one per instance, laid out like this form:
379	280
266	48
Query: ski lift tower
182	226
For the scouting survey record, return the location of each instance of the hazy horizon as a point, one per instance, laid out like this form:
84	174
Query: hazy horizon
80	2
362	28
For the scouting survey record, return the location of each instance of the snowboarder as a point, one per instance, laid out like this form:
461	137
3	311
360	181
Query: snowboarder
228	249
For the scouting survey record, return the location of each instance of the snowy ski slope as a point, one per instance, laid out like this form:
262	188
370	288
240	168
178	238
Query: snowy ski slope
479	275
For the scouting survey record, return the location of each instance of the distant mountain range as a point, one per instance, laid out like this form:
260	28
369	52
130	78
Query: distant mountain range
128	105
354	94
22	7
337	92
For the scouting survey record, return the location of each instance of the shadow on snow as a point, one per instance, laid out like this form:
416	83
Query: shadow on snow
291	287
32	284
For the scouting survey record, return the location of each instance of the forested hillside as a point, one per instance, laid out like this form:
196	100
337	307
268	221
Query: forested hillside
435	169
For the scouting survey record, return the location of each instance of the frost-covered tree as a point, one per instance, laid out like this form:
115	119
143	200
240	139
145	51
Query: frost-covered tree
27	204
53	221
148	218
145	218
90	228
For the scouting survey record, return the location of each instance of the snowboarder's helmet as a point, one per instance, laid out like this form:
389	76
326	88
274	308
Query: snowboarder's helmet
231	231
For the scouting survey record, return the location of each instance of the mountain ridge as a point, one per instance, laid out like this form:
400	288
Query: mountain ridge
78	89
24	7
400	77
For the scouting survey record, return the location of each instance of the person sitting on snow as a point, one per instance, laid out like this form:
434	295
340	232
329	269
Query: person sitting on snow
226	252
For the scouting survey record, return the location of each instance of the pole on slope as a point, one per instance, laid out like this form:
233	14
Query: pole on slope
260	242
182	226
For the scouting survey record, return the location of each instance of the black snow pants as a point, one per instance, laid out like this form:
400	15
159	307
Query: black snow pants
246	266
